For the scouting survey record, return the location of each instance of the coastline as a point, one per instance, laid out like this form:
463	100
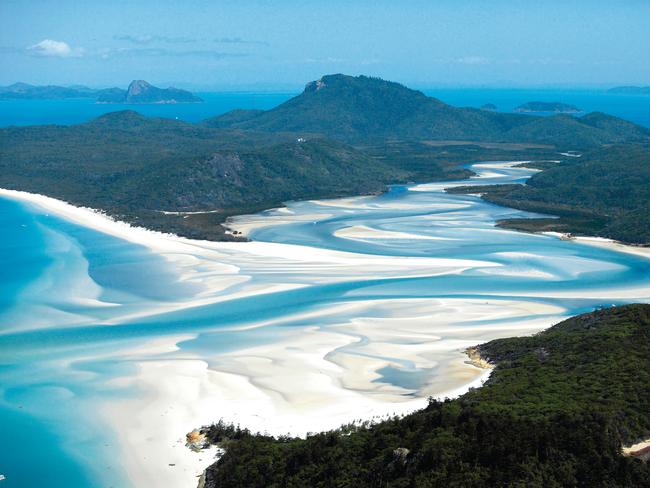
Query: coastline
342	386
643	251
341	382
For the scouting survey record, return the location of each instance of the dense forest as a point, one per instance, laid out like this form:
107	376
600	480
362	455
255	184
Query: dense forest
555	412
136	168
362	109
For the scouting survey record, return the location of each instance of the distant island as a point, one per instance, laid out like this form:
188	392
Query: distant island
552	107
630	90
490	107
25	91
138	92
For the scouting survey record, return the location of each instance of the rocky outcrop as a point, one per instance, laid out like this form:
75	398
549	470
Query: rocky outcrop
140	91
640	450
475	358
196	440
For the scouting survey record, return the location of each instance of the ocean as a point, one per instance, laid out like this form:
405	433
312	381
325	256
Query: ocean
635	108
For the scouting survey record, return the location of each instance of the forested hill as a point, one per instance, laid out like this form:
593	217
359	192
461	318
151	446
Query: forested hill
606	193
361	108
139	169
554	413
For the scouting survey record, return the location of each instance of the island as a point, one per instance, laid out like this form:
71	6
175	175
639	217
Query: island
25	91
630	90
549	107
490	107
138	92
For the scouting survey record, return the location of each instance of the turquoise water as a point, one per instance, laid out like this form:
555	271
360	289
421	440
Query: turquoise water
49	435
34	112
59	354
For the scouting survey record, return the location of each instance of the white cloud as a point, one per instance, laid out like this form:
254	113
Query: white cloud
57	49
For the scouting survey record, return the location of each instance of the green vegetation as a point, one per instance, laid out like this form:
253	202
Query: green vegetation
362	109
603	193
541	165
135	168
442	160
139	91
26	91
556	107
342	136
554	413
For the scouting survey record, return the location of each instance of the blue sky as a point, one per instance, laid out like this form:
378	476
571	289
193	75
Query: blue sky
273	44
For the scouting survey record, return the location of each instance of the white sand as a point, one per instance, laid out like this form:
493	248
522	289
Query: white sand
255	386
320	375
365	232
279	216
314	380
635	448
614	245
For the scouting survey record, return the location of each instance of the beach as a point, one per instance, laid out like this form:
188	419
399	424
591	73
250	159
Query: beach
364	327
256	387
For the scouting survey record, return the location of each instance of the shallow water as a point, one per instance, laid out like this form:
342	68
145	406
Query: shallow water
414	269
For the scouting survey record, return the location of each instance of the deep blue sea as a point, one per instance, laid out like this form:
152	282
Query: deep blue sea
84	313
76	111
34	112
635	108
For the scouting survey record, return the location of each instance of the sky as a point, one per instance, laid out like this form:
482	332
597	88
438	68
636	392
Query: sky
263	44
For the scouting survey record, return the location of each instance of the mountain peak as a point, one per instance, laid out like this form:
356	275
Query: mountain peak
141	91
20	86
365	108
314	86
345	107
137	87
357	83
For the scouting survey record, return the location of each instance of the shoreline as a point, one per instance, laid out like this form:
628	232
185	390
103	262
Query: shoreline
343	385
340	383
